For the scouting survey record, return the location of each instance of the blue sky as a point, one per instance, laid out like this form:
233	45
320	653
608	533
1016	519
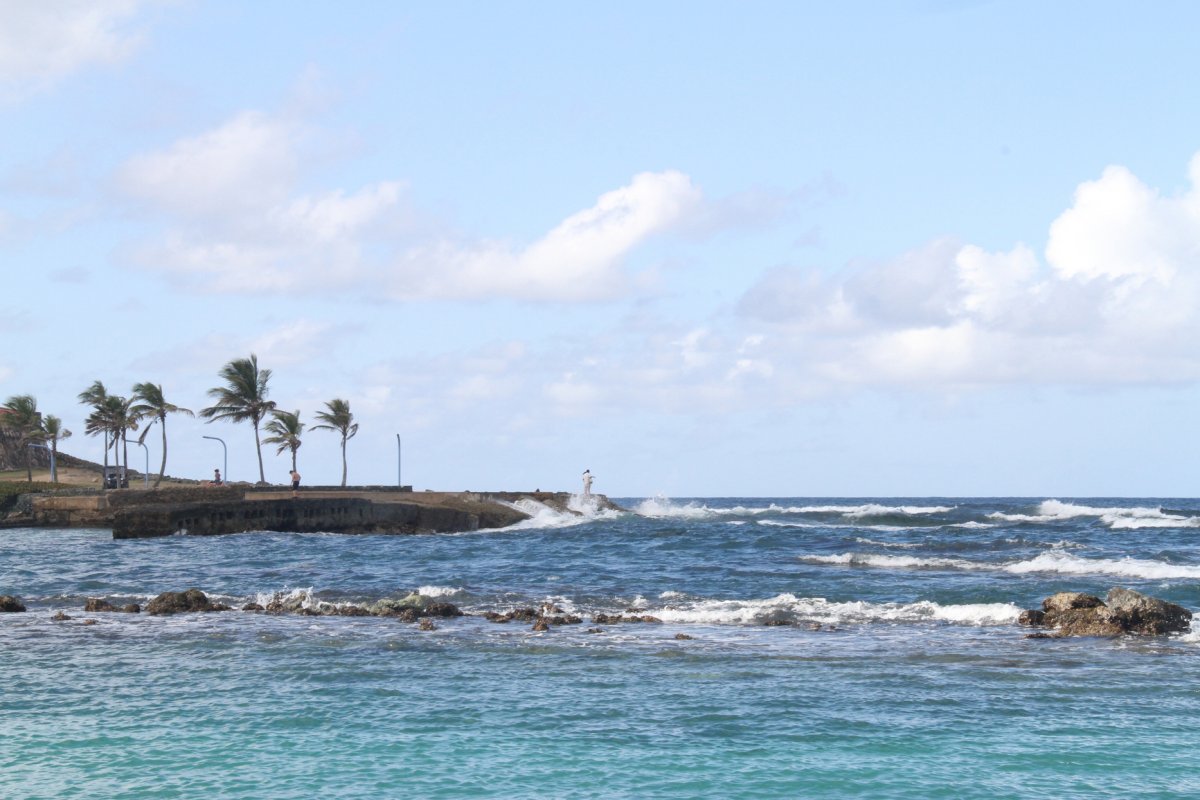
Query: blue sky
925	248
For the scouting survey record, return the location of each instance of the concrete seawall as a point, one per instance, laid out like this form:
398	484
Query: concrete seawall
134	514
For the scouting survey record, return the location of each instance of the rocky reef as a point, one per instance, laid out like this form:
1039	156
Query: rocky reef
1122	612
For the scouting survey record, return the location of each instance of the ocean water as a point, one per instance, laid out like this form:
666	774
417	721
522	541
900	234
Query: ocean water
840	648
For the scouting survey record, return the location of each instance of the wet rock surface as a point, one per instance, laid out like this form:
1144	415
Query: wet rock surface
1122	612
10	604
189	601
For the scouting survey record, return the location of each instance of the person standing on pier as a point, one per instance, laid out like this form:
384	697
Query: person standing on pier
587	483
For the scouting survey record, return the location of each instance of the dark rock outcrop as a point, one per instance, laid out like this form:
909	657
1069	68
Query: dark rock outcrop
1122	612
10	604
131	608
96	604
192	600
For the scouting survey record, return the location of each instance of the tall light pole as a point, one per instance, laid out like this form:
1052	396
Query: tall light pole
145	474
399	463
225	474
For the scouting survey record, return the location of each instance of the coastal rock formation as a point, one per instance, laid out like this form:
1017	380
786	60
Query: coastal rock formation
1123	611
192	600
10	604
97	604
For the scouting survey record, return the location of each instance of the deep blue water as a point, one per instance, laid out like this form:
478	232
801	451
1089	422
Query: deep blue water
900	671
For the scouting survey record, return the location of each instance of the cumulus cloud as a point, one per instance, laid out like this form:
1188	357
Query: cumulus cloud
245	166
42	42
237	223
1114	300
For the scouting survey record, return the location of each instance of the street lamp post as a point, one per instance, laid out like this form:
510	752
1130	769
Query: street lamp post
146	473
225	474
399	464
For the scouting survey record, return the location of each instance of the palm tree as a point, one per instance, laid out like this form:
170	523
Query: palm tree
54	432
111	417
95	396
150	404
285	430
21	415
338	418
243	397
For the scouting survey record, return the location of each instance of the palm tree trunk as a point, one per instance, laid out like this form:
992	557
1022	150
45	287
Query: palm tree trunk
293	459
262	476
54	459
28	462
343	461
104	480
162	467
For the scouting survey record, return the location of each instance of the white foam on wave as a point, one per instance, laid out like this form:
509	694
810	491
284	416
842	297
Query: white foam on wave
663	508
1065	563
438	591
789	608
898	545
874	510
1056	561
1115	517
773	523
288	597
581	510
893	562
659	506
972	525
1193	635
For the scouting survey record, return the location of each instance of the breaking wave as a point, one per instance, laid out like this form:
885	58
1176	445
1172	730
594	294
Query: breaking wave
1053	561
787	608
580	510
1115	517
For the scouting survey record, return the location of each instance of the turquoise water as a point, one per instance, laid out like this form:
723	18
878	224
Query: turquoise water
893	667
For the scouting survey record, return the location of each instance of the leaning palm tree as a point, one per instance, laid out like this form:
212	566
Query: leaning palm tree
112	418
150	404
285	429
243	397
338	418
22	417
54	432
95	396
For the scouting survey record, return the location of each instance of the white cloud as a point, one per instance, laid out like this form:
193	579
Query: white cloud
246	166
1116	301
41	42
238	224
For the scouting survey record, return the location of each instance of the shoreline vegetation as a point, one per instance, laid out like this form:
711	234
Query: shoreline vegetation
28	437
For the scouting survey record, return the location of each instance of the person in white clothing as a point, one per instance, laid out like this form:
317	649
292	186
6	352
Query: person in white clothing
587	483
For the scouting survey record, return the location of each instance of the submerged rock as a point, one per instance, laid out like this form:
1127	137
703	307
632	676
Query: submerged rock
541	625
1122	612
683	637
10	604
97	604
426	624
132	608
60	617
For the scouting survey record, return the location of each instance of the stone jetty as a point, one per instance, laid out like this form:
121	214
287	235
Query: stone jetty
206	511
